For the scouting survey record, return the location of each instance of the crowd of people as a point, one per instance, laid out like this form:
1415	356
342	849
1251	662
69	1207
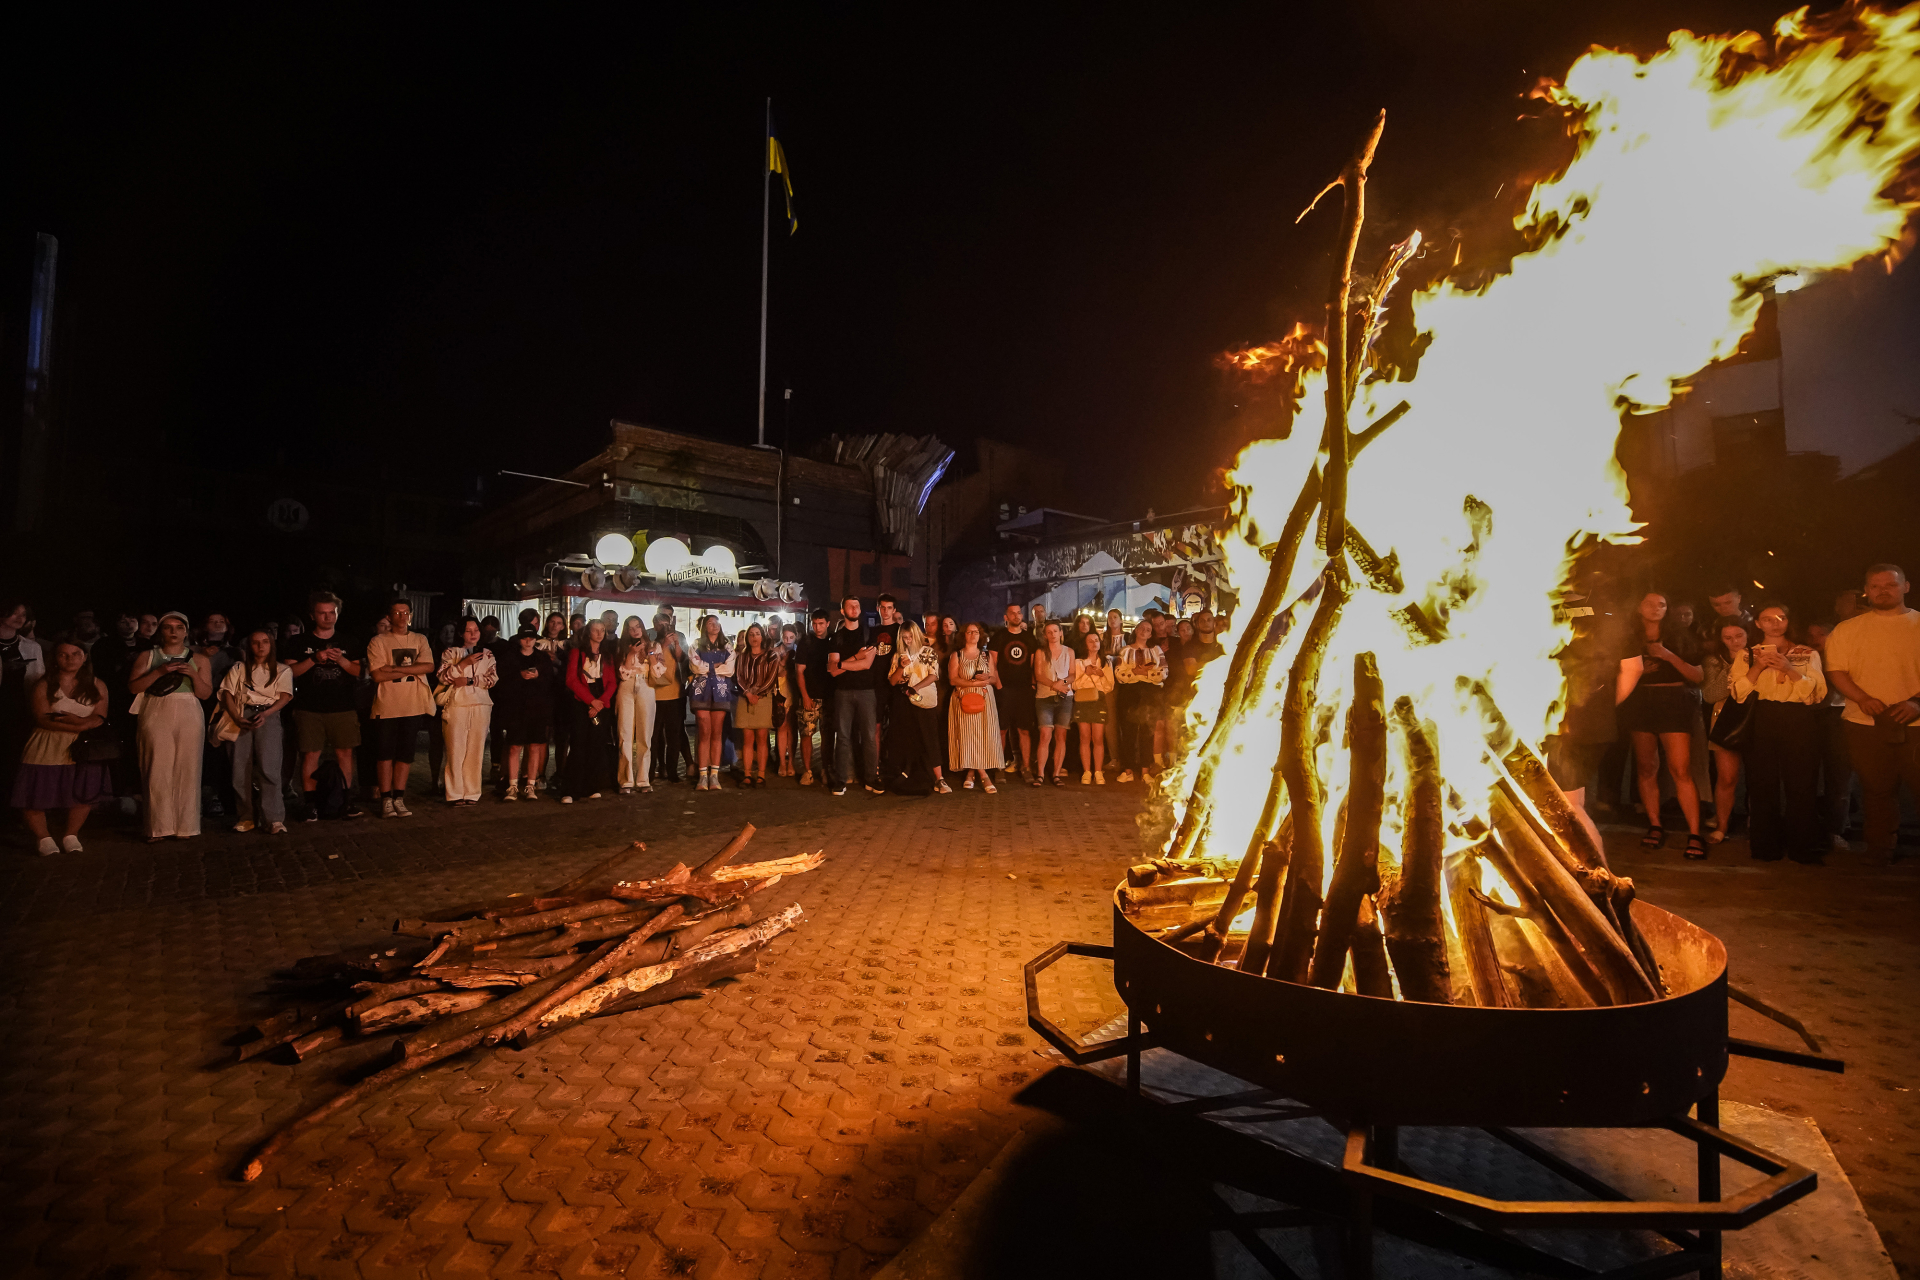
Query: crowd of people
1705	707
178	724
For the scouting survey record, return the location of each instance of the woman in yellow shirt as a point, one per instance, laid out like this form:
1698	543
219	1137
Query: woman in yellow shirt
1783	752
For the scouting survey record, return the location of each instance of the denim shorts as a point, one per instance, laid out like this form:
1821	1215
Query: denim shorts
1055	712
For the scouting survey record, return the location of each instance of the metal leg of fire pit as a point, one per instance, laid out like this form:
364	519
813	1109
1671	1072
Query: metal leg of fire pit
1707	1112
1133	1051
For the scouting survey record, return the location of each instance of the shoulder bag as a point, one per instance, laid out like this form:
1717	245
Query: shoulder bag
1733	723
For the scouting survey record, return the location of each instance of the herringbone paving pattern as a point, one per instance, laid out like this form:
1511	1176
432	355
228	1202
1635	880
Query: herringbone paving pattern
805	1120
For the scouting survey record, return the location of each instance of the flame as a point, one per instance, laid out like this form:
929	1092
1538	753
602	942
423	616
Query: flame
1701	174
1297	353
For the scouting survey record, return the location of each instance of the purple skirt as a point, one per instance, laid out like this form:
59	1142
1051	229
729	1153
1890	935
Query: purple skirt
43	787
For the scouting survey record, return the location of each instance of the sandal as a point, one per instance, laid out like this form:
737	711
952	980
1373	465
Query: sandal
1716	837
1655	837
967	785
1696	848
990	788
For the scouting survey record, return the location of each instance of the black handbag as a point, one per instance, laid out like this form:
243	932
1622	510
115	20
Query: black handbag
1733	723
98	745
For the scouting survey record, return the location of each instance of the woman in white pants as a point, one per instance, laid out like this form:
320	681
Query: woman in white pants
168	684
252	694
635	706
467	671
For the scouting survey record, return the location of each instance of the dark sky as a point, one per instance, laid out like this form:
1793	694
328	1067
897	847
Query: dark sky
484	234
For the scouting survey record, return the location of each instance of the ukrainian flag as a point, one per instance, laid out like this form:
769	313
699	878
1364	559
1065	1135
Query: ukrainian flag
777	163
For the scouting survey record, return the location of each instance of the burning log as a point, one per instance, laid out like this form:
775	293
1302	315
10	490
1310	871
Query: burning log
1356	872
718	941
1416	927
1372	975
1196	892
1209	947
1486	979
1276	858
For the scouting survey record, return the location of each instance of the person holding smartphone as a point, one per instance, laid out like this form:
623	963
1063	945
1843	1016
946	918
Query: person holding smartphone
326	688
169	682
1783	761
400	662
252	694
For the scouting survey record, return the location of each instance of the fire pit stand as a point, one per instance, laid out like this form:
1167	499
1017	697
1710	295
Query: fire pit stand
1370	1066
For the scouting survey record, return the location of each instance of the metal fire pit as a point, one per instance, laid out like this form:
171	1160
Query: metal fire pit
1369	1066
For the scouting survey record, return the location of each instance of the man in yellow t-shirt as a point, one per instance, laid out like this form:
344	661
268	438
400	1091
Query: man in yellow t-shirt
399	660
1874	659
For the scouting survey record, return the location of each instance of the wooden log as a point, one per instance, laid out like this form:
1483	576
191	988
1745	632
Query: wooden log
509	971
793	866
1605	951
728	854
1208	948
1371	974
1531	776
1489	983
690	980
410	1010
458	1026
1356	871
1534	972
574	934
614	957
1299	916
1141	874
482	929
1416	929
374	994
761	931
704	890
325	1040
1276	858
1194	893
285	1030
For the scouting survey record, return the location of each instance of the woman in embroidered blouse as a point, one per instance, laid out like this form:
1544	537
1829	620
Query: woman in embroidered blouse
1140	671
711	693
467	671
252	694
635	708
1783	755
757	672
592	683
63	703
1092	690
170	681
973	737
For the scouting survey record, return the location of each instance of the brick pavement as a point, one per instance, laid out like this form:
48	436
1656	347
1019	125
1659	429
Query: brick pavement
803	1121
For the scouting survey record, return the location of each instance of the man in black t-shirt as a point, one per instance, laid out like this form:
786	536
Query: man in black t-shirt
852	658
1012	649
814	686
885	639
326	685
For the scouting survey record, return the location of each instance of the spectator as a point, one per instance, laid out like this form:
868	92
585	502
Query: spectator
557	641
1114	638
217	646
935	627
915	719
399	662
634	709
1874	658
710	665
113	658
1171	694
593	678
490	636
1836	770
757	673
523	700
1092	691
1012	650
1783	761
1727	606
1082	628
1659	704
21	666
85	631
254	691
973	723
610	622
467	671
814	688
326	691
169	687
784	701
576	627
1716	688
1590	664
1053	703
850	658
64	702
669	699
1141	673
1846	605
1203	649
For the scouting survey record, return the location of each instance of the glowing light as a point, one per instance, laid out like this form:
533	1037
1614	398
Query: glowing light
613	549
665	555
1789	282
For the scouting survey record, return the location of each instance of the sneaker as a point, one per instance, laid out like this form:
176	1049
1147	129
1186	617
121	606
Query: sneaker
593	795
386	807
1086	778
875	791
940	787
566	799
70	844
1126	775
1099	778
513	791
48	846
243	827
277	829
1839	844
400	807
840	790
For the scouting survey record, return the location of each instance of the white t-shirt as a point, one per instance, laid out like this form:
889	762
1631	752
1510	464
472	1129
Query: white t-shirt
1880	652
257	691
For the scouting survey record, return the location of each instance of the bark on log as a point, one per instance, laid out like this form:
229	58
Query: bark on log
615	957
312	1046
374	994
728	854
1208	948
689	981
1356	872
1416	929
793	866
1371	974
1546	923
1299	914
510	971
1275	862
285	1031
408	1010
1531	776
483	930
1194	893
458	1026
1142	874
1488	981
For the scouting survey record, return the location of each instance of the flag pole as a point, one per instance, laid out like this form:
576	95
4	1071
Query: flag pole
766	195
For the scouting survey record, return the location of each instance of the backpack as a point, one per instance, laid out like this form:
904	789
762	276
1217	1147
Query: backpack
330	789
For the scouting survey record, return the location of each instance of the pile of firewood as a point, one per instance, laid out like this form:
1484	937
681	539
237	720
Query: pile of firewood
518	969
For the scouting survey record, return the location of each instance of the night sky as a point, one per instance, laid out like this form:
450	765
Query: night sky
430	249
